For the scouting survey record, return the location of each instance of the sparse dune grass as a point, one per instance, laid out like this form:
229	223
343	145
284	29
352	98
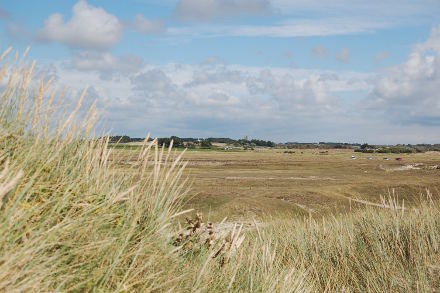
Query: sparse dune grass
70	221
370	250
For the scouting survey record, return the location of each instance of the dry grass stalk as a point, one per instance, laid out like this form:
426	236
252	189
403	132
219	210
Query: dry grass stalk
68	221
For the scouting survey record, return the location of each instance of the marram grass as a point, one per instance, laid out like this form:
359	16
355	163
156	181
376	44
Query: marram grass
71	221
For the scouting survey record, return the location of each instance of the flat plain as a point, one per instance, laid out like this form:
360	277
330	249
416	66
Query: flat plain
271	182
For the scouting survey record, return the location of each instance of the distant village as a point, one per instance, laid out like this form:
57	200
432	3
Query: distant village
229	144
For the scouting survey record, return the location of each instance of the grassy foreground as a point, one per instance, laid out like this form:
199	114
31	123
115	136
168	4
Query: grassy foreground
70	222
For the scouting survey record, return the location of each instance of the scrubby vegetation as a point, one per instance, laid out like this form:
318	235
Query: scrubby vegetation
70	221
397	149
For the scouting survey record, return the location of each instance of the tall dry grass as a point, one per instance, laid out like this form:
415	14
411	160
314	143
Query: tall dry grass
70	220
67	219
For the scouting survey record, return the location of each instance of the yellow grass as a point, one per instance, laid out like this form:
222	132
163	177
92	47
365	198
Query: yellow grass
243	185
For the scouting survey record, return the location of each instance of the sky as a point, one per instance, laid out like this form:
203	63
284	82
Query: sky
283	70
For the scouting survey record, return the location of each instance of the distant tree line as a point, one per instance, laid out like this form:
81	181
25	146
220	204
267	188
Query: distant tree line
225	140
199	142
259	142
124	139
397	149
191	142
320	145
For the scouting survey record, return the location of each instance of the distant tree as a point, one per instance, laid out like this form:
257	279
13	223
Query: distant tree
115	138
205	144
177	142
221	140
366	146
164	141
120	139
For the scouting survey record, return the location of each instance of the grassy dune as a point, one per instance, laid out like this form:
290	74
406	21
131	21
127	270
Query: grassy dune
70	221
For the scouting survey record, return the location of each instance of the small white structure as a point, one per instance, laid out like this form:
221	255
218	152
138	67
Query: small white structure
353	157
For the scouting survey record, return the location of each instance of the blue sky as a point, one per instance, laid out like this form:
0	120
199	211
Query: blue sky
285	70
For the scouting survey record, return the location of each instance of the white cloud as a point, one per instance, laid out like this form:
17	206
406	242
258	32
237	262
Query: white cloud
90	27
220	74
343	55
304	17
213	100
146	26
409	93
287	94
106	63
433	43
278	103
305	27
329	26
217	98
195	10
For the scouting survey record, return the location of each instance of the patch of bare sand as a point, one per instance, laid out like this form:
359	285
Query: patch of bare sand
416	166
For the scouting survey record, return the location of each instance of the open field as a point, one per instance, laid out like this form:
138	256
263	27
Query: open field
246	184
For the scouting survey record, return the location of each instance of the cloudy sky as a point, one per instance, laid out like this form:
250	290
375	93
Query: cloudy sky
285	70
